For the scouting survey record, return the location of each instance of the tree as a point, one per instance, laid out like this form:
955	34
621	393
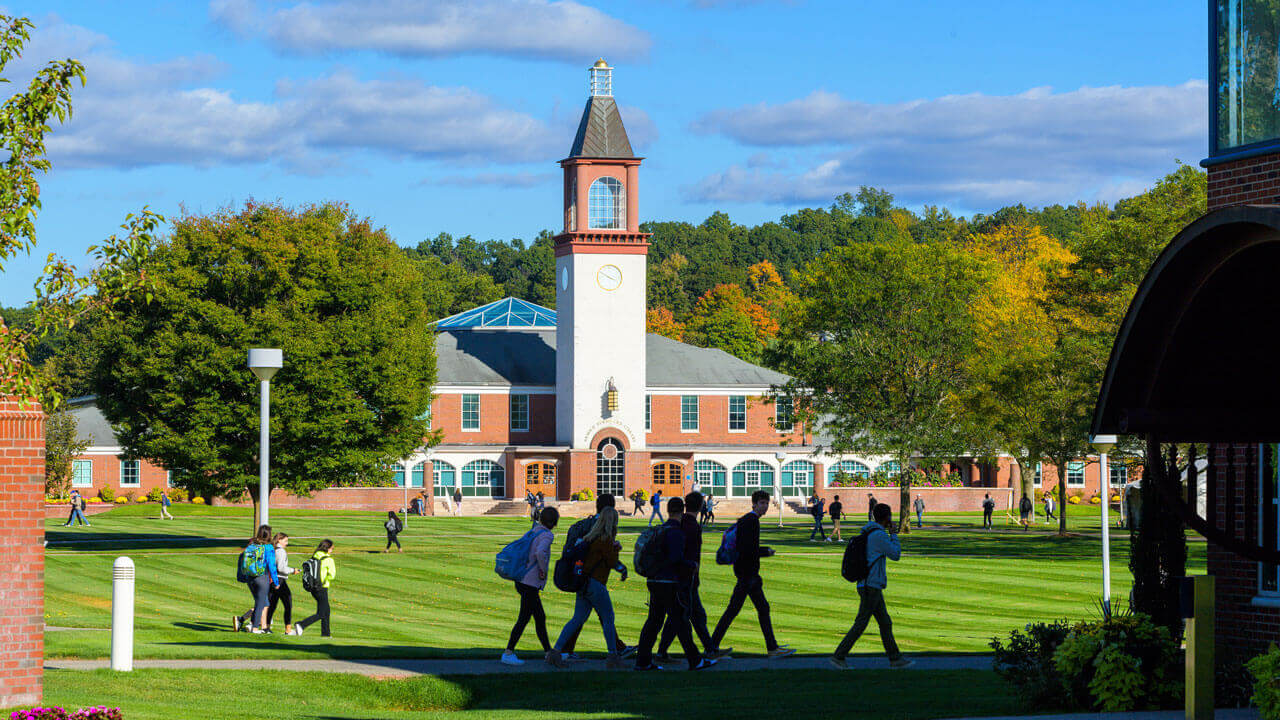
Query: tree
877	341
345	305
61	446
725	318
660	321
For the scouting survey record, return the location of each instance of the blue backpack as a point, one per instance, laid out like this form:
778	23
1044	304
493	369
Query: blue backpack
253	563
728	552
512	562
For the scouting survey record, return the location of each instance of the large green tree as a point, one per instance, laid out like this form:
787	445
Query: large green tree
343	302
877	342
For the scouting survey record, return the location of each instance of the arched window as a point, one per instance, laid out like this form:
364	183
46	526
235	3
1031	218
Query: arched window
482	478
711	476
442	478
797	478
540	476
666	477
892	468
849	469
606	205
751	476
611	468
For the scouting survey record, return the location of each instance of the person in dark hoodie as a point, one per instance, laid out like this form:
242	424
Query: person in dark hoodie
882	546
665	602
750	584
689	578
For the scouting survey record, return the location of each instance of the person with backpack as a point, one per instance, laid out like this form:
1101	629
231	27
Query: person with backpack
164	506
880	542
918	506
578	531
533	506
257	570
988	508
871	507
665	602
835	510
78	505
690	578
638	498
317	572
281	594
597	558
655	502
393	525
1024	512
529	587
747	553
817	509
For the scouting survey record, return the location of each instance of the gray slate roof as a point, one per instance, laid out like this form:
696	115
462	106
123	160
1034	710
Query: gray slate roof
91	425
528	357
600	132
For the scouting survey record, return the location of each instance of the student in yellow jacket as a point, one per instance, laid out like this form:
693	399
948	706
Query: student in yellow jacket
328	571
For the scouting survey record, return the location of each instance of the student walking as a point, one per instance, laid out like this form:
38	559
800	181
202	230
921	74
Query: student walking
457	501
665	602
690	578
709	510
600	558
871	507
749	583
988	508
638	499
1024	512
836	510
817	507
164	506
918	506
328	570
655	502
530	587
257	570
579	531
394	526
882	543
77	504
1049	506
281	594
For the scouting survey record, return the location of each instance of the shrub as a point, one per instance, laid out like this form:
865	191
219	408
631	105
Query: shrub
1095	500
100	712
120	500
154	494
141	500
1026	662
94	500
1074	500
644	495
1120	664
586	494
107	494
1266	684
197	500
177	495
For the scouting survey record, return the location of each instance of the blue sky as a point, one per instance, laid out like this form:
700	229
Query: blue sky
450	115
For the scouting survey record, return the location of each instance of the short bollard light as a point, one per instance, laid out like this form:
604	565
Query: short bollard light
122	615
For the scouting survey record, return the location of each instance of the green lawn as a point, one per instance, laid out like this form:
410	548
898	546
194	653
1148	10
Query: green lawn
250	695
956	587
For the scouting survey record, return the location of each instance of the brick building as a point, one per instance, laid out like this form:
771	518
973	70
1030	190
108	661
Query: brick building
1196	357
21	552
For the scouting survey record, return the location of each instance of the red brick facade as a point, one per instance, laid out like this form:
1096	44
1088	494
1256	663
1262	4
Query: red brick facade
495	420
356	498
713	423
106	473
1251	181
21	553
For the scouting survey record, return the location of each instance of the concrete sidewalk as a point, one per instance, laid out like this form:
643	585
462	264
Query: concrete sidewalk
376	667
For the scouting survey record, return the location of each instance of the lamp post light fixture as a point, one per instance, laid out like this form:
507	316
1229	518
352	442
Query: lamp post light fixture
265	363
1103	444
781	457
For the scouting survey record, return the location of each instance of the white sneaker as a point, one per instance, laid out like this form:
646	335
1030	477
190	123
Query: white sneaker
297	630
509	658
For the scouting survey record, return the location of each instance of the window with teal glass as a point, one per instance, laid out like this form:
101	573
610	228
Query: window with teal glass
784	414
520	412
750	476
415	476
893	468
797	478
1246	85
711	476
849	469
130	473
689	413
81	473
1039	476
470	412
399	470
480	478
442	478
1075	474
737	413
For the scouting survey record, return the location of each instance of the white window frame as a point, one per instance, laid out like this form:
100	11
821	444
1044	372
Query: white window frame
516	427
463	412
697	413
1037	479
648	413
790	425
1075	467
137	473
75	476
743	400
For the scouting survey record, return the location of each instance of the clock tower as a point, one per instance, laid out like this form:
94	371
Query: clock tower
600	282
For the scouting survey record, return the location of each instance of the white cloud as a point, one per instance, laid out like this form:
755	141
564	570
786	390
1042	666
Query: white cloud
135	113
972	151
550	29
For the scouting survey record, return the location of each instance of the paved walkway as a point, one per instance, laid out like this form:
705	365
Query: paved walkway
376	667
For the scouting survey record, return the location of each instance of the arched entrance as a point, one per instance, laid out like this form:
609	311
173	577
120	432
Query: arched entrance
540	477
611	468
667	478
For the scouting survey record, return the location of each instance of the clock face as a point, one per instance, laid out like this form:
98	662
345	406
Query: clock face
609	277
564	278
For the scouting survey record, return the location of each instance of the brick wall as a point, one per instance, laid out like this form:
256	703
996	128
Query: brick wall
1251	181
21	553
106	473
495	420
713	423
358	498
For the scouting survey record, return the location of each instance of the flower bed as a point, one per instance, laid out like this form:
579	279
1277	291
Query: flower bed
100	712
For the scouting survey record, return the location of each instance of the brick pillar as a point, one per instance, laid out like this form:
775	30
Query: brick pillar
21	552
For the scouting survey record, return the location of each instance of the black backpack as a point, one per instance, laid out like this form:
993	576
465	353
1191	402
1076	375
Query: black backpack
650	552
570	573
854	567
311	574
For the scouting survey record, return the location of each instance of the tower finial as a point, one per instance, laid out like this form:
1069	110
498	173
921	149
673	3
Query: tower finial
601	79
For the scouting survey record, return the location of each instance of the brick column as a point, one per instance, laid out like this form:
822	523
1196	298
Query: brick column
21	552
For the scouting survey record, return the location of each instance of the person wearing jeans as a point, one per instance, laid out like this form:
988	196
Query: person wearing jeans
328	571
601	556
881	544
77	510
817	508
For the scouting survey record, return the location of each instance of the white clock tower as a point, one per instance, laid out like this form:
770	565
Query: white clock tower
600	281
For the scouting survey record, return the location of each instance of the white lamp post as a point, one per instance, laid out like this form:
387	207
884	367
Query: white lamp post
264	362
781	457
1103	444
